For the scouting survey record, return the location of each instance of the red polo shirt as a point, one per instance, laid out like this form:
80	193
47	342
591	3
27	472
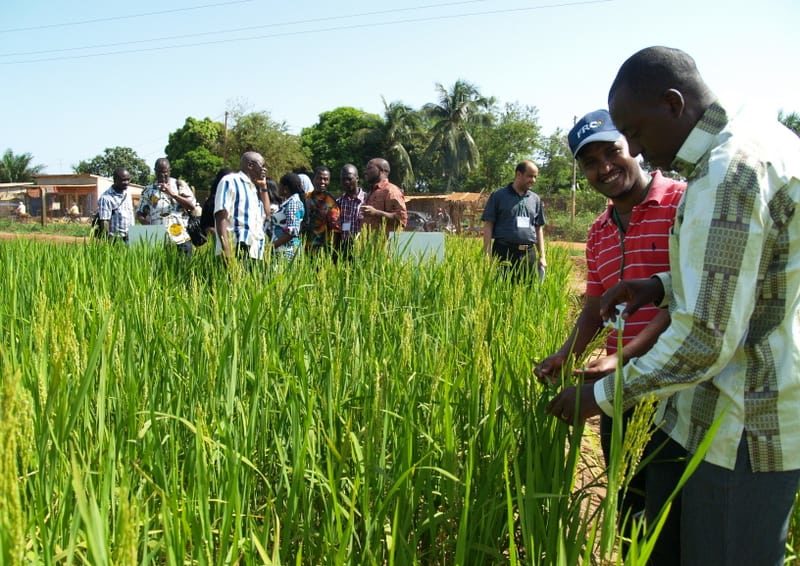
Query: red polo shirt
640	252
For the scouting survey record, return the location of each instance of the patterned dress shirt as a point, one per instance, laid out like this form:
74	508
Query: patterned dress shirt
350	217
156	205
117	208
732	350
323	219
287	220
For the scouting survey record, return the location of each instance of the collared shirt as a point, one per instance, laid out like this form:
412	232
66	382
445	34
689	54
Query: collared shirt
732	350
237	194
386	197
641	251
515	217
117	208
156	205
287	220
350	216
323	218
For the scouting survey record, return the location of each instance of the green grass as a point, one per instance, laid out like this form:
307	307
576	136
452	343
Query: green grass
34	226
160	411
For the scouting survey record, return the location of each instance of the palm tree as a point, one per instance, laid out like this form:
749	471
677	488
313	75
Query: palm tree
18	168
401	130
451	145
791	121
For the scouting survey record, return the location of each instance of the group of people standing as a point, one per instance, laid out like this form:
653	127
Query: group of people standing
249	212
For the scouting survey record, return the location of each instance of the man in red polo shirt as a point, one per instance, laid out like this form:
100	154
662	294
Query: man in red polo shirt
630	240
385	205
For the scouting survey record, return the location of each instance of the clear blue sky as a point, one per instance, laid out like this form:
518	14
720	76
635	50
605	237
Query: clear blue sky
300	58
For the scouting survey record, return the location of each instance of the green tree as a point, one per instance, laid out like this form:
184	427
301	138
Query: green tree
344	135
451	146
195	151
511	136
555	164
113	157
17	168
257	131
401	136
791	121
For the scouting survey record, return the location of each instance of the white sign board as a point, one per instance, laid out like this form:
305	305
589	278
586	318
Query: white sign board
147	235
418	245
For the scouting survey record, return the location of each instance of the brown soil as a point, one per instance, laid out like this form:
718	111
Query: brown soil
42	237
578	279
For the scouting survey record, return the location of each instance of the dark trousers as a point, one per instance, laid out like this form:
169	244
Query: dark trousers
342	248
722	517
522	262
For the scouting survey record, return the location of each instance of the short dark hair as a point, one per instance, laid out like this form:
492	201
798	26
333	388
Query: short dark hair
321	169
652	71
159	161
522	166
292	182
348	167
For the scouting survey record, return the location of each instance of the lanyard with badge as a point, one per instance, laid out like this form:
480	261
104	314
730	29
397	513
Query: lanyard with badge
523	220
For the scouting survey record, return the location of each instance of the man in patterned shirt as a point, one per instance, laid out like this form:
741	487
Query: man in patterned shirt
350	211
167	201
115	209
731	355
322	213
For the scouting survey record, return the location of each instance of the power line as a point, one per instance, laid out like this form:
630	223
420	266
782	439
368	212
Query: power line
128	17
247	28
306	32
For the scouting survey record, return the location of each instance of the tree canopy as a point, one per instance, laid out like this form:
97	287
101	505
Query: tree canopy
257	131
511	135
452	147
555	163
343	135
195	151
18	168
113	157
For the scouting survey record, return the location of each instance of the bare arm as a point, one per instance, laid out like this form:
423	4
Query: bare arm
586	328
540	245
187	202
488	228
221	223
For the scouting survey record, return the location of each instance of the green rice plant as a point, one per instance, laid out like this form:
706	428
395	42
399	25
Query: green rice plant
372	412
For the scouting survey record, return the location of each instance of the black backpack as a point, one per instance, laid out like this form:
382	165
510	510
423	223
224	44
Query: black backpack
94	226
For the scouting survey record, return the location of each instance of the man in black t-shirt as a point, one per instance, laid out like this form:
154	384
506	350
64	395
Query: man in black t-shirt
513	221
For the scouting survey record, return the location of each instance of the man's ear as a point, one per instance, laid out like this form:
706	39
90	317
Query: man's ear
673	99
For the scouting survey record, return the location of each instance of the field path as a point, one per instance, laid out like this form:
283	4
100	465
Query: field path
42	237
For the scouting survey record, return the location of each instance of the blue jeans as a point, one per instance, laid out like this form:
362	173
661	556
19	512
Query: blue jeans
722	517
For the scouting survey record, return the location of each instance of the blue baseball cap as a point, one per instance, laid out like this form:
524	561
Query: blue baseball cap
594	127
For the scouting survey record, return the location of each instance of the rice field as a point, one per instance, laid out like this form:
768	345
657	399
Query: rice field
161	411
